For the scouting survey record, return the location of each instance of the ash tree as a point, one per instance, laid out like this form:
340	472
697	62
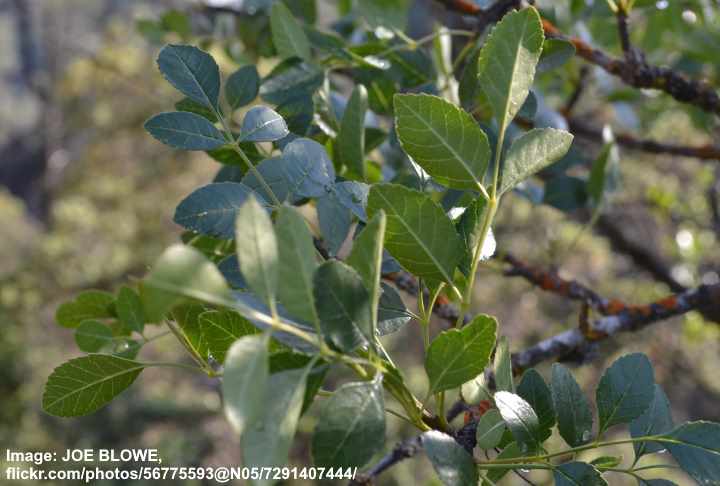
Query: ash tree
367	163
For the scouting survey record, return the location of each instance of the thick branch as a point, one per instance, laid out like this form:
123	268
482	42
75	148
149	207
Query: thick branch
629	319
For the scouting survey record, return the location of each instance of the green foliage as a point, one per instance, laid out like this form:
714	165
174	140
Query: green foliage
459	355
443	139
280	276
353	421
83	385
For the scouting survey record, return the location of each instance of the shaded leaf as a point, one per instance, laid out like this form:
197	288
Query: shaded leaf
343	304
453	465
696	448
186	104
192	72
655	420
291	80
625	391
242	87
574	416
366	258
84	385
459	355
184	130
392	313
230	269
510	451
490	429
534	390
353	426
443	139
418	234
532	152
555	53
212	209
350	143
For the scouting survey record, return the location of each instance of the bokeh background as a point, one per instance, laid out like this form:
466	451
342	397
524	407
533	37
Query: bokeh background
86	201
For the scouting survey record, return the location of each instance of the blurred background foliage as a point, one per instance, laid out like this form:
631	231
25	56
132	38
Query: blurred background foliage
87	199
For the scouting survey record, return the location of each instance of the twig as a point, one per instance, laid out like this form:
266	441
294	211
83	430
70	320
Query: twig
403	450
577	92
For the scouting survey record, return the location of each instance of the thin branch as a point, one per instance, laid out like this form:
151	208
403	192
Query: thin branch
577	92
702	152
403	450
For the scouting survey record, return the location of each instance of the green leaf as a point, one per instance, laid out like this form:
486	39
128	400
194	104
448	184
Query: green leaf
443	139
267	441
603	175
90	304
510	451
534	390
186	104
181	271
418	234
262	124
490	429
656	420
193	72
298	114
459	355
287	33
577	474
366	258
506	67
606	461
555	53
220	329
656	482
303	170
392	313
532	152
83	385
184	130
129	309
335	221
291	80
574	416
625	391
242	87
696	449
520	419
453	465
245	379
297	264
350	143
502	367
343	304
475	390
469	227
353	426
391	14
91	336
257	250
212	209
